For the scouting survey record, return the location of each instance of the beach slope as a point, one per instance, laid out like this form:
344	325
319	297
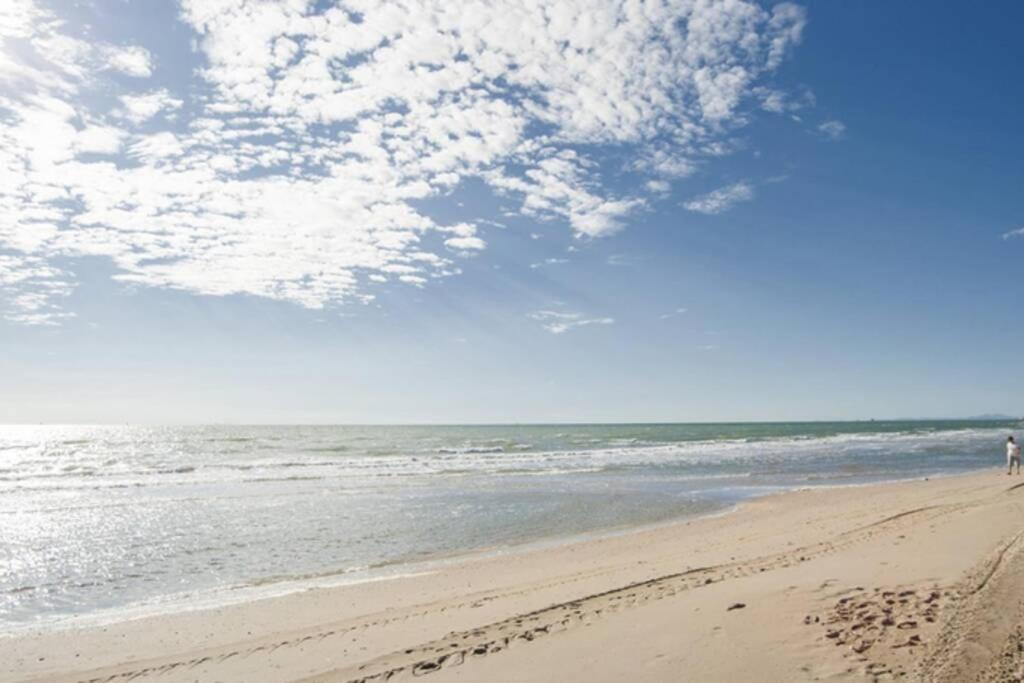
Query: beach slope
922	580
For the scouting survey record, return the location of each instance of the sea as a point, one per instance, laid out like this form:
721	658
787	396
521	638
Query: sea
99	522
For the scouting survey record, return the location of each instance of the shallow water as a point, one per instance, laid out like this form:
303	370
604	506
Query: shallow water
97	518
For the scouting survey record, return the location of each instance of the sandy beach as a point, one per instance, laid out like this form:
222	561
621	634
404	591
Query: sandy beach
355	341
921	580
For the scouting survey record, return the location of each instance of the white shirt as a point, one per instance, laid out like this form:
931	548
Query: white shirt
1012	450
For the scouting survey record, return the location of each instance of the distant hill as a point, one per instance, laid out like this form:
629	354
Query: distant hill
988	417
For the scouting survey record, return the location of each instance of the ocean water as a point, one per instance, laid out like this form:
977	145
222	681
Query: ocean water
95	520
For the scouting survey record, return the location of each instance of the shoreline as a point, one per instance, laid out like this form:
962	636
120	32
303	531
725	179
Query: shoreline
635	582
271	588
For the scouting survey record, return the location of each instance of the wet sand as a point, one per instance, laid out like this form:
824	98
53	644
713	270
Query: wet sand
915	581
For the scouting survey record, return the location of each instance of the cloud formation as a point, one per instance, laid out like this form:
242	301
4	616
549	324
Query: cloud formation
834	130
296	163
553	261
140	108
557	322
722	199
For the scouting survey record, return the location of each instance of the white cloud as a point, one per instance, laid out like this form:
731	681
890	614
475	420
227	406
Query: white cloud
659	186
297	164
721	199
549	262
834	130
773	100
781	102
1019	232
622	260
466	243
672	314
33	288
556	187
99	140
670	163
131	60
139	108
557	322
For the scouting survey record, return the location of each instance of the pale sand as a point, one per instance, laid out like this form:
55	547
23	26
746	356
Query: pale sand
920	579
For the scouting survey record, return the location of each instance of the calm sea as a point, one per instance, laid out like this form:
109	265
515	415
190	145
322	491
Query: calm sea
95	520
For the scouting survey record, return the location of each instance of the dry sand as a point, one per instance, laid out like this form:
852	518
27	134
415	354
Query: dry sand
917	580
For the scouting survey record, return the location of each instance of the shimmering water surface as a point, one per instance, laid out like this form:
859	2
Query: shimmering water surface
96	518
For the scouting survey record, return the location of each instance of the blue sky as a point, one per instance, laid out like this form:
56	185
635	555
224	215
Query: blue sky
353	212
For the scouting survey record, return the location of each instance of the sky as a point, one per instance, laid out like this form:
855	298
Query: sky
418	211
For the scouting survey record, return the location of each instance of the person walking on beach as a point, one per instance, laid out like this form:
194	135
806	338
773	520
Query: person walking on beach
1012	455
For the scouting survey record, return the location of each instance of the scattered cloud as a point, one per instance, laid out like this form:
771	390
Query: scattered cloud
99	140
465	243
659	186
1019	232
139	108
833	130
622	260
722	199
672	314
131	60
782	102
294	164
773	100
34	290
549	262
557	322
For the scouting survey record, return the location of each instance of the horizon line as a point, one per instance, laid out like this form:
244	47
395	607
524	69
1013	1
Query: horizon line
977	418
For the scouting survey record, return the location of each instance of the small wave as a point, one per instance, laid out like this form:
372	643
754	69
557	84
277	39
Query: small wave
469	450
282	578
82	470
68	487
517	471
548	472
625	442
271	464
184	469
